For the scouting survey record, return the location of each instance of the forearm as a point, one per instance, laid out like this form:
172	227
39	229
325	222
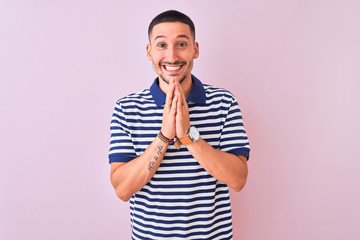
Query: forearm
128	178
225	167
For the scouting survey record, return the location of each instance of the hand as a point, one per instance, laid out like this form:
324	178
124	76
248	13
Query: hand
168	127
182	112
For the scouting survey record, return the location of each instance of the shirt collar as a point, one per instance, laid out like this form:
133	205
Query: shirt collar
197	94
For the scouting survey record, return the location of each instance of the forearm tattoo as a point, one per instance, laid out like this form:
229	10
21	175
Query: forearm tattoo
156	157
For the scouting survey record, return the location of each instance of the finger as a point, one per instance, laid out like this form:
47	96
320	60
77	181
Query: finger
180	103
182	118
170	94
182	109
180	90
174	104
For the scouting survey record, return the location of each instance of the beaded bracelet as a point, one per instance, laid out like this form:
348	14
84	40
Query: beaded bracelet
165	139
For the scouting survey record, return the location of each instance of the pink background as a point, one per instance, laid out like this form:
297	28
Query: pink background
293	65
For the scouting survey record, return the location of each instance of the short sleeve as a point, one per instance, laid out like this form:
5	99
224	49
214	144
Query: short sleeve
121	146
233	136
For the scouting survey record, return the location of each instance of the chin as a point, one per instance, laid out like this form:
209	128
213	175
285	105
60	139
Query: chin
167	80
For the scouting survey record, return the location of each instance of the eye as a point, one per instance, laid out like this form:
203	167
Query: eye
182	44
161	45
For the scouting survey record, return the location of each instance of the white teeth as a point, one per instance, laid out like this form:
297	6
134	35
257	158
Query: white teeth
170	68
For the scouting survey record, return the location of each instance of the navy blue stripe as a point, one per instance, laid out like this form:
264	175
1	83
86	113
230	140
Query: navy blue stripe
139	108
120	141
207	110
174	193
177	221
231	139
200	226
233	145
196	233
212	132
178	164
144	121
182	178
178	207
207	117
204	125
183	171
181	200
127	147
170	214
143	135
238	131
141	114
142	128
175	186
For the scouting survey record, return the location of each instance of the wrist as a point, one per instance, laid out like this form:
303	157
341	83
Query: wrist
166	133
163	138
185	133
192	136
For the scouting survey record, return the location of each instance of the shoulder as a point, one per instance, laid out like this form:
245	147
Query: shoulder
218	93
138	103
137	97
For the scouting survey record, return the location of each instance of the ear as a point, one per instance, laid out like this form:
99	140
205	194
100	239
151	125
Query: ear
196	48
148	51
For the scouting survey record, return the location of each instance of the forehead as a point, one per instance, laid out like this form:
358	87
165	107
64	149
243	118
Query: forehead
170	30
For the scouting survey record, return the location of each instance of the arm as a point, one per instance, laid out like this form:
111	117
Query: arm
128	178
225	167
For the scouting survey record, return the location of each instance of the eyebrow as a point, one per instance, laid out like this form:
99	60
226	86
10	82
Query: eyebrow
178	36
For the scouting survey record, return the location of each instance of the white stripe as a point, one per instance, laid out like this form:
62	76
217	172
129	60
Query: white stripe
172	182
186	204
181	218
173	232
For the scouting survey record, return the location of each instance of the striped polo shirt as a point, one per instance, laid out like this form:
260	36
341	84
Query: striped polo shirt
182	200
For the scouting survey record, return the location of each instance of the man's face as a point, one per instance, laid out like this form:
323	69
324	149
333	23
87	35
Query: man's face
172	50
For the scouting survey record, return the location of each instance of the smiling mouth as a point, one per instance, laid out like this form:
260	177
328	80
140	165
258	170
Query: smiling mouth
172	67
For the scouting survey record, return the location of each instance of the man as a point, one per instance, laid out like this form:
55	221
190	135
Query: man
176	147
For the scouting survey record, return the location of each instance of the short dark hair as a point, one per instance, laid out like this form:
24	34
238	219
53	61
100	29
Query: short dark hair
172	16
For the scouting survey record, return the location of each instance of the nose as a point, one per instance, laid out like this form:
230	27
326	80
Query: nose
172	54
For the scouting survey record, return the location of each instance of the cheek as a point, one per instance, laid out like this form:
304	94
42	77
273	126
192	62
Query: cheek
156	58
190	55
156	62
190	58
